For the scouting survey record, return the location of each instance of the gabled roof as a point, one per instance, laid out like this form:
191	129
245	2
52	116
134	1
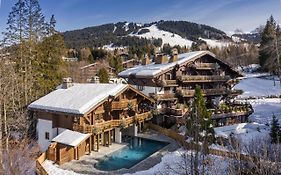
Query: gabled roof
94	64
152	70
79	98
71	138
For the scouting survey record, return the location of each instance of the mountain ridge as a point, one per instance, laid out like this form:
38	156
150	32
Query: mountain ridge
131	33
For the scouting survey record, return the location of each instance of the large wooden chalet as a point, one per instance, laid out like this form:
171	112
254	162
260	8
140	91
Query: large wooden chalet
171	81
76	119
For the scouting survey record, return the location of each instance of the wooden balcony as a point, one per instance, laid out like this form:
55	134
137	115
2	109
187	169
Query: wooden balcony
203	78
235	92
169	83
233	111
231	114
164	97
110	124
205	66
123	104
205	92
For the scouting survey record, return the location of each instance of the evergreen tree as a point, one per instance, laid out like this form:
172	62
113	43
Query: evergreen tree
267	53
17	18
52	26
199	127
103	75
275	130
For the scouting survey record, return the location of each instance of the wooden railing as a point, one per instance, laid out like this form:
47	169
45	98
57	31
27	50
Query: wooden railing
203	78
234	110
205	65
123	104
236	92
98	127
169	83
163	97
40	170
205	92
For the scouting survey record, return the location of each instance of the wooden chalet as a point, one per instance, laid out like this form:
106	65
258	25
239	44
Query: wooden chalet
76	119
89	72
171	81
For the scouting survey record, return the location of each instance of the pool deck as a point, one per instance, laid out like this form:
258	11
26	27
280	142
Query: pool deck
86	164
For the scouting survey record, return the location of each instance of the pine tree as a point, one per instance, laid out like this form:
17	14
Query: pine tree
199	127
103	75
275	130
270	43
52	26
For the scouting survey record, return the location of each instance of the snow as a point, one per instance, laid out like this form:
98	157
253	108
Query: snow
114	29
258	87
216	43
154	69
244	131
126	26
71	138
178	162
78	99
110	47
264	109
167	37
53	169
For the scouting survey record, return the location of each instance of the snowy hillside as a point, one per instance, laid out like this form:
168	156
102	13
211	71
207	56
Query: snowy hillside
167	37
216	43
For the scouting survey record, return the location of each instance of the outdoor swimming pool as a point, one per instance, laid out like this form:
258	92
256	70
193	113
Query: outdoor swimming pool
137	150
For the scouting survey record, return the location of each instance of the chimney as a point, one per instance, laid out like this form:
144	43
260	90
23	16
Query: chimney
146	60
67	83
174	56
161	58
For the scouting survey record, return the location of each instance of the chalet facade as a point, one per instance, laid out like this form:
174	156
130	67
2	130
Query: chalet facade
171	81
76	119
90	72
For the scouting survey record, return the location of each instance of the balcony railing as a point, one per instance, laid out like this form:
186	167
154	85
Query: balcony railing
203	78
163	97
205	92
205	66
169	83
232	111
235	92
123	104
101	126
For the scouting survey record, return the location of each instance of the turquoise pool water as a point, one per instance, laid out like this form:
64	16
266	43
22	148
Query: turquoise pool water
137	150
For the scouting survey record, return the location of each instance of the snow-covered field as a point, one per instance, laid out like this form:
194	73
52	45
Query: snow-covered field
256	87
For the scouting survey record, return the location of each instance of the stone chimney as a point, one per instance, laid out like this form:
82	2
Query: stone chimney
146	60
174	56
161	58
67	83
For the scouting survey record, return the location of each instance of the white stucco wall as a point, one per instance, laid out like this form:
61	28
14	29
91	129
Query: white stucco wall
44	126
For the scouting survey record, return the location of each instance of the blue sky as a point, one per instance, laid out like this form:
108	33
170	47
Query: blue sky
226	15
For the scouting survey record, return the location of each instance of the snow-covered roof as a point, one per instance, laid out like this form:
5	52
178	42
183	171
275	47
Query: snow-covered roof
78	99
150	70
93	64
71	138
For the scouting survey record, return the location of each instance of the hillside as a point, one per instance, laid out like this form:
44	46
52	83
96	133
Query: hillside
181	33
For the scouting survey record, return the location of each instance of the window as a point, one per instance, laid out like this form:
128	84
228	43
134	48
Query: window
47	135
